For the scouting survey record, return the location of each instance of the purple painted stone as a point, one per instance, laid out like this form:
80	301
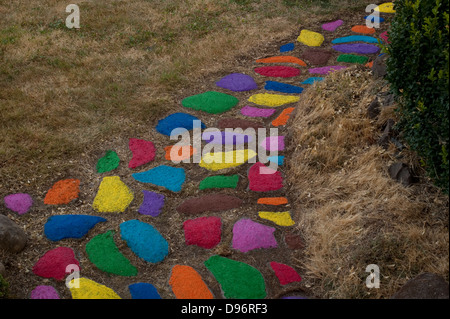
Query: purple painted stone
256	112
249	235
326	69
19	203
361	48
44	292
228	138
332	26
152	205
237	82
273	143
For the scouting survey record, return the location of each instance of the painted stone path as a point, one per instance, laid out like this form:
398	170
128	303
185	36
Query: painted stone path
286	77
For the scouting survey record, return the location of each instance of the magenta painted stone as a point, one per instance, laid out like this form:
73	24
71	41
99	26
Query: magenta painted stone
273	143
264	179
44	292
332	26
237	82
19	203
53	263
285	274
360	48
249	235
204	232
385	37
152	205
143	152
278	71
256	112
326	69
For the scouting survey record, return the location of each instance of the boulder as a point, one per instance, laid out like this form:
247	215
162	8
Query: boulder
374	109
379	66
424	286
402	173
12	237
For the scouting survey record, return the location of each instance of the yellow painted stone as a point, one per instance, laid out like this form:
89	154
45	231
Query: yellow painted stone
273	100
113	196
221	160
310	38
279	218
88	289
387	7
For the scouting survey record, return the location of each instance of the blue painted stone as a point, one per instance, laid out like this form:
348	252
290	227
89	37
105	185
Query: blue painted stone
312	79
60	227
177	120
355	38
237	82
276	159
287	47
282	87
142	290
144	240
169	177
374	19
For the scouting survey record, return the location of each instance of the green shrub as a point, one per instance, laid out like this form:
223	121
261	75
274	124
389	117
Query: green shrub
4	287
418	72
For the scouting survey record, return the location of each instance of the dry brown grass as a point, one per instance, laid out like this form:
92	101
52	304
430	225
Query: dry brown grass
352	213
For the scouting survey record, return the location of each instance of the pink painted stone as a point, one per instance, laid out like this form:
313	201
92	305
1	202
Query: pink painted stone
332	26
44	292
19	203
256	112
326	69
264	179
54	262
204	232
385	37
278	71
249	235
143	152
273	143
285	274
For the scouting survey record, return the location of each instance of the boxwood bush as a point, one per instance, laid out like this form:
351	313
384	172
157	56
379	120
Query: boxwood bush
418	71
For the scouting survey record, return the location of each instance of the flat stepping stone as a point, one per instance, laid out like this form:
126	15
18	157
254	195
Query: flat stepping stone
44	292
355	38
317	56
273	143
104	254
283	117
19	202
233	123
226	138
89	289
211	102
312	79
186	283
310	38
374	19
282	59
237	82
113	196
282	87
63	192
171	178
276	159
143	152
332	26
203	232
363	29
285	274
219	181
385	37
278	71
249	235
237	280
108	163
272	201
222	160
178	153
256	111
177	120
279	218
287	47
272	100
152	204
142	290
387	7
144	240
260	182
326	69
54	262
293	241
359	48
351	58
209	203
60	227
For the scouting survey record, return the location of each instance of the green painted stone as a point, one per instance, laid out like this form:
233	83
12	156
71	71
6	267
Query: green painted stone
220	181
351	58
237	279
211	102
108	162
104	254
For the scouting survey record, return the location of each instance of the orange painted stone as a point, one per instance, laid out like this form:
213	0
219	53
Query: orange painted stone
369	64
282	59
62	192
363	29
272	200
179	153
186	283
283	117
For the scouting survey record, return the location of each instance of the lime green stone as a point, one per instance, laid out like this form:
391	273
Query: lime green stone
220	181
108	162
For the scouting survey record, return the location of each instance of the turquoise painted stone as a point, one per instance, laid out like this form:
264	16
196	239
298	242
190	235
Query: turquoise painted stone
211	102
169	177
355	38
312	79
60	227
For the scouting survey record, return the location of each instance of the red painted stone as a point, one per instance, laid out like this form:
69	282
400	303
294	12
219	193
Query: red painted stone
278	71
259	182
285	274
53	263
204	232
143	152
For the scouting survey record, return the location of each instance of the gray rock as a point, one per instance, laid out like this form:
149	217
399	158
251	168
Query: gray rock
387	133
402	173
12	237
424	286
374	109
379	66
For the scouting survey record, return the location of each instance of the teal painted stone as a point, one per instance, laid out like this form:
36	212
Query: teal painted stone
211	102
355	38
169	177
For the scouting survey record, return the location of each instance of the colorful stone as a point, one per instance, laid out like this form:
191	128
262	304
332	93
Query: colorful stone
113	196
143	152
249	235
237	82
171	178
203	232
19	203
211	102
60	227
